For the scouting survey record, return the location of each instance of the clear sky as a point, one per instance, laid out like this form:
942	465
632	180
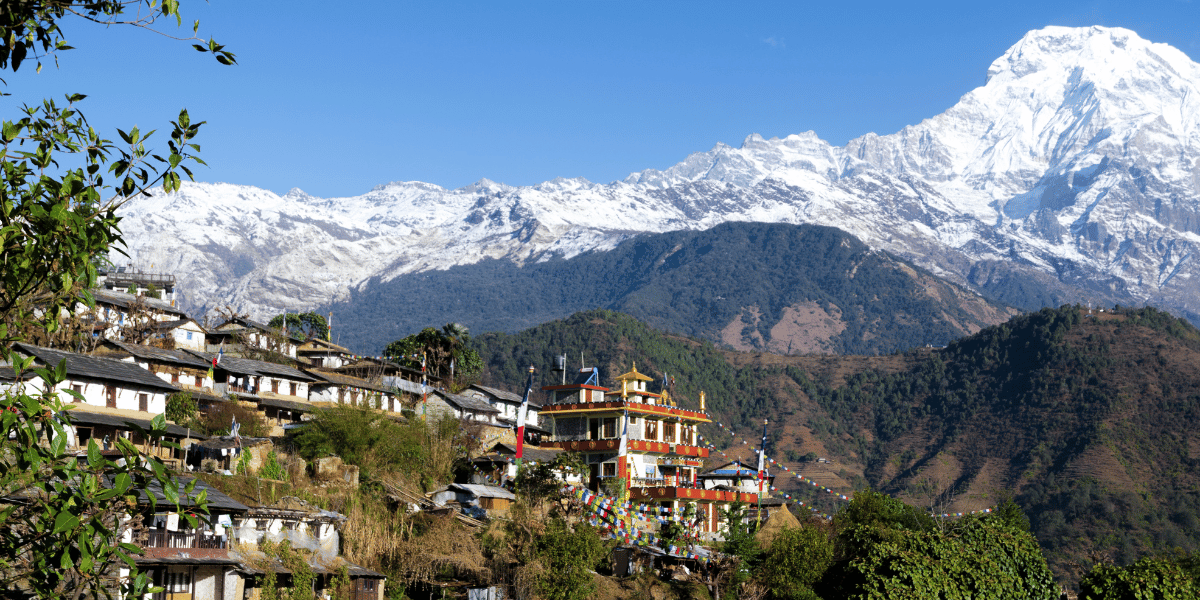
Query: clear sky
337	100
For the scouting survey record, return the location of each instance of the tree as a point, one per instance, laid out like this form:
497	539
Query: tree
62	518
796	559
441	349
307	325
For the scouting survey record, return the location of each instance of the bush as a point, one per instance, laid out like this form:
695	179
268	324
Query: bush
1158	578
377	443
218	420
181	408
570	556
796	559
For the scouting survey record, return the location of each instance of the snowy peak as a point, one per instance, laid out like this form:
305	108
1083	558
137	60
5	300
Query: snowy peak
1078	159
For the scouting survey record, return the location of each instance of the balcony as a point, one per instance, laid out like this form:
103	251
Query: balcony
612	445
643	493
159	538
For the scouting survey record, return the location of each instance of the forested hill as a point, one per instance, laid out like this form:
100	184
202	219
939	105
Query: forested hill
1087	417
788	289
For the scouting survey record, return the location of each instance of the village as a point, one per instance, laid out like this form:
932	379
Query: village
639	463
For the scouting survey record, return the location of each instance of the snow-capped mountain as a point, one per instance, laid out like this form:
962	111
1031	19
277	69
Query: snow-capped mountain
1078	159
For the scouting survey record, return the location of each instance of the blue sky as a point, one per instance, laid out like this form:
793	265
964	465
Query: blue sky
336	102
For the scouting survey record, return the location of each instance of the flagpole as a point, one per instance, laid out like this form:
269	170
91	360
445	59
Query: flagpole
521	413
424	391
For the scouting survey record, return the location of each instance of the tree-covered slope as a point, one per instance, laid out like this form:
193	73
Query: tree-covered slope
1085	417
784	288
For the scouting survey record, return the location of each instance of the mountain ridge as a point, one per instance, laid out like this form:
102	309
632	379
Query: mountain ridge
1076	164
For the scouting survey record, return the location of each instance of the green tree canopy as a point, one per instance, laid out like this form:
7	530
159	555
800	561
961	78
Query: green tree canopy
60	186
303	325
444	351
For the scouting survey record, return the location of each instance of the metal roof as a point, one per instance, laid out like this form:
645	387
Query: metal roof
483	491
91	367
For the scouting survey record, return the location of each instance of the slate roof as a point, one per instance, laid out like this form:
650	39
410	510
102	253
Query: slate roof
176	357
289	405
528	426
85	417
91	367
466	403
169	325
247	366
534	453
125	301
242	324
506	396
216	499
331	378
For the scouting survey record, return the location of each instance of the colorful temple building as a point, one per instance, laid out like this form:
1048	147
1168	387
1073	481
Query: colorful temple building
662	456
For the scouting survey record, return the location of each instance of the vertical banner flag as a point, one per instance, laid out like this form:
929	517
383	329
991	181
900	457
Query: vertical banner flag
762	472
521	418
624	449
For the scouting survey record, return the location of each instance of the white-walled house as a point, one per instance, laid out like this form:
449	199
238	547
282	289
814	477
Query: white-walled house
104	382
113	397
278	391
508	403
186	333
232	334
181	369
308	528
335	388
323	354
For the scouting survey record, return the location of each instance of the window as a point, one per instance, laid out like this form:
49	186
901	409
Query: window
652	430
341	395
292	388
189	336
78	389
144	402
669	432
110	392
199	381
610	469
274	386
175	377
610	427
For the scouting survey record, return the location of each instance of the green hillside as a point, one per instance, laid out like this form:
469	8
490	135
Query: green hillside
1085	418
789	289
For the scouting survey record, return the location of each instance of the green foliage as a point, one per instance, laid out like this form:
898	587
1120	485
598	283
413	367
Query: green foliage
67	537
1157	578
379	444
570	554
885	554
181	408
57	219
541	482
218	420
271	468
302	325
296	561
441	349
796	559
